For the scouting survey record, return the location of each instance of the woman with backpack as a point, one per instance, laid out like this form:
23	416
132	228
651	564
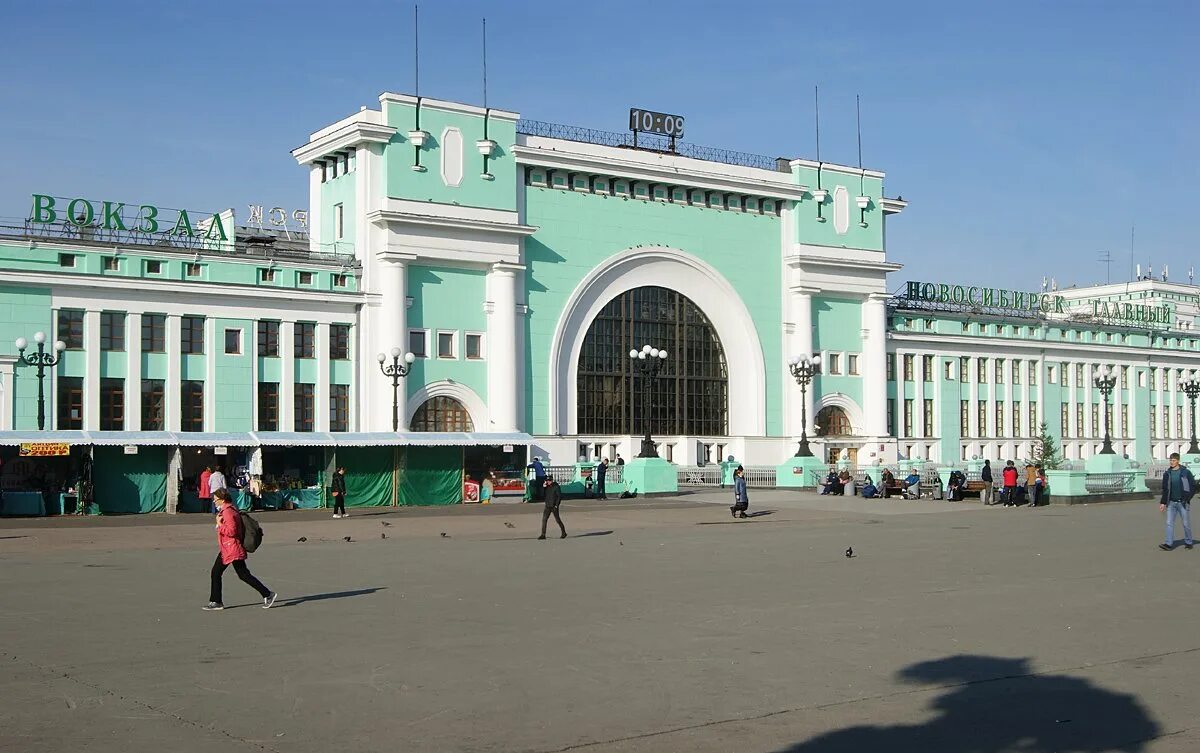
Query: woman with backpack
229	541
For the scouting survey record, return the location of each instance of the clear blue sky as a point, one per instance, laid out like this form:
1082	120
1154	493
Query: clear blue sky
1028	136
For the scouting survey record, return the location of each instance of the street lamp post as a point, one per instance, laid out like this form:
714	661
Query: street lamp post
648	361
1191	388
803	369
1105	381
42	361
397	371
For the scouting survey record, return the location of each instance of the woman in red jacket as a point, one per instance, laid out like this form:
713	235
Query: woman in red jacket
229	540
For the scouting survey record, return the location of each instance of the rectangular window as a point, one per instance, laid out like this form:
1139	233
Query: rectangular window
964	369
153	405
191	406
339	342
1064	415
981	370
445	344
66	260
268	406
928	417
948	370
1033	422
193	270
474	346
1078	375
339	407
1141	379
1153	423
153	267
1033	373
112	330
305	340
305	394
852	365
1096	431
1051	376
191	335
70	402
999	371
305	278
339	281
1179	418
927	368
1016	371
339	228
1124	377
268	339
112	404
154	334
1166	421
964	418
70	328
891	414
1016	420
981	415
266	275
908	368
999	419
833	364
418	343
1080	426
891	368
233	342
908	417
112	264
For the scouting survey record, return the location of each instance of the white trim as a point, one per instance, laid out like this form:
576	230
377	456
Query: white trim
241	351
475	405
680	271
450	176
442	105
482	345
854	412
841	210
836	168
340	136
408	343
453	344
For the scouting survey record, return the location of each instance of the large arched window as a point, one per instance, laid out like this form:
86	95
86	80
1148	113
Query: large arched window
442	414
832	422
691	393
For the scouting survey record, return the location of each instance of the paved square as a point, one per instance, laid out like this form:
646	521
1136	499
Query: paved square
657	626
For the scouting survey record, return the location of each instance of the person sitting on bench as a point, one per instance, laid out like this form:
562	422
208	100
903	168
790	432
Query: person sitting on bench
832	484
869	490
912	485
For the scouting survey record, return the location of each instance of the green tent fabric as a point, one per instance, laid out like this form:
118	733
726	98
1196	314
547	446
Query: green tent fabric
130	483
368	475
432	476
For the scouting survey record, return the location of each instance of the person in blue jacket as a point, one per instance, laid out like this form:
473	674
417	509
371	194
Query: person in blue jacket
741	500
1178	486
537	485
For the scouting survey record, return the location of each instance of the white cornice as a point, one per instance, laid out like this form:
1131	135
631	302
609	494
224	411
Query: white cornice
655	168
974	345
835	168
892	206
383	218
351	134
816	261
445	106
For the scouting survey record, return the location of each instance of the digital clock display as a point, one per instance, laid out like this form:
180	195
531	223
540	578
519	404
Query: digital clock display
648	121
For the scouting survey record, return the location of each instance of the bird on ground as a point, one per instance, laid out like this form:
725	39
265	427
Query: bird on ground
302	539
346	539
445	535
384	523
383	535
508	525
849	551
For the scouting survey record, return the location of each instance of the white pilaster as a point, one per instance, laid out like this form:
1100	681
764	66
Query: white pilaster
321	389
874	316
919	396
801	344
287	376
172	390
502	347
390	331
211	345
7	367
314	208
91	374
133	372
1072	398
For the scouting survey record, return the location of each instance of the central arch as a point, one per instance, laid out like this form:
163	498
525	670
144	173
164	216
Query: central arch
674	269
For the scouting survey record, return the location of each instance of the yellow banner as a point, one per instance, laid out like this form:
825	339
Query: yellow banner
44	449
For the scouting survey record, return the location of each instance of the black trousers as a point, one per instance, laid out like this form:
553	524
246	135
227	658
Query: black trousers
339	504
600	493
552	509
243	572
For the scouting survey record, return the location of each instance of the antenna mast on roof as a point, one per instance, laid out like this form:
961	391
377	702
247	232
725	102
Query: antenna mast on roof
817	112
1106	260
417	51
485	107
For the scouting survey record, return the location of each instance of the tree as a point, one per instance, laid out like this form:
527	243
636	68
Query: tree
1046	452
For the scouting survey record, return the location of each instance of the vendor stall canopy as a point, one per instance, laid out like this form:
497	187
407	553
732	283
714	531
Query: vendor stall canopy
265	438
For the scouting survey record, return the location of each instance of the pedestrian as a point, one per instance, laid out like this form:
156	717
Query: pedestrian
620	460
231	552
1178	486
202	490
1010	485
985	475
538	481
338	487
1039	486
601	472
552	495
741	498
487	488
217	481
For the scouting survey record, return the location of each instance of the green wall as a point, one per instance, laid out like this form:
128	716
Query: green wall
232	391
24	311
447	298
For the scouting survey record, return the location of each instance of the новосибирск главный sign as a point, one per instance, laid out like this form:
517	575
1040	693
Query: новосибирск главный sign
1033	303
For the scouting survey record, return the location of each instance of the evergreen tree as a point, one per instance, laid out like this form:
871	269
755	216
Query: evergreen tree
1046	451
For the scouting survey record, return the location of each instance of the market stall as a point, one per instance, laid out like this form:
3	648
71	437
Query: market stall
44	473
228	451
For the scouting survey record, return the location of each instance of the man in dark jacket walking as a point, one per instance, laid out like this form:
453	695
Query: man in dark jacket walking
601	472
1178	486
985	475
552	494
338	487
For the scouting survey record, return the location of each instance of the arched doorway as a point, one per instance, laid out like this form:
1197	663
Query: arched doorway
441	413
691	393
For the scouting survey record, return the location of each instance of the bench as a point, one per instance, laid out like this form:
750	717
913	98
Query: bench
973	487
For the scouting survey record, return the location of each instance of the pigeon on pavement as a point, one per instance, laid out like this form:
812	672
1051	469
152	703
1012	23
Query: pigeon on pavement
383	535
508	525
384	523
445	535
849	551
302	539
346	539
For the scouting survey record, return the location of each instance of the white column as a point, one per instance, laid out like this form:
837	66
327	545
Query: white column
502	348
1010	389
1068	369
91	373
287	376
801	344
7	405
173	390
212	343
321	389
874	320
919	395
314	209
390	331
133	372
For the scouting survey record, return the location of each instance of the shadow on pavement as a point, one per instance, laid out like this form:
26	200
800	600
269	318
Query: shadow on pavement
995	705
590	533
323	597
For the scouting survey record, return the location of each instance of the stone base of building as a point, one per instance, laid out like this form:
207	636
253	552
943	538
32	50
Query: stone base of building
798	472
